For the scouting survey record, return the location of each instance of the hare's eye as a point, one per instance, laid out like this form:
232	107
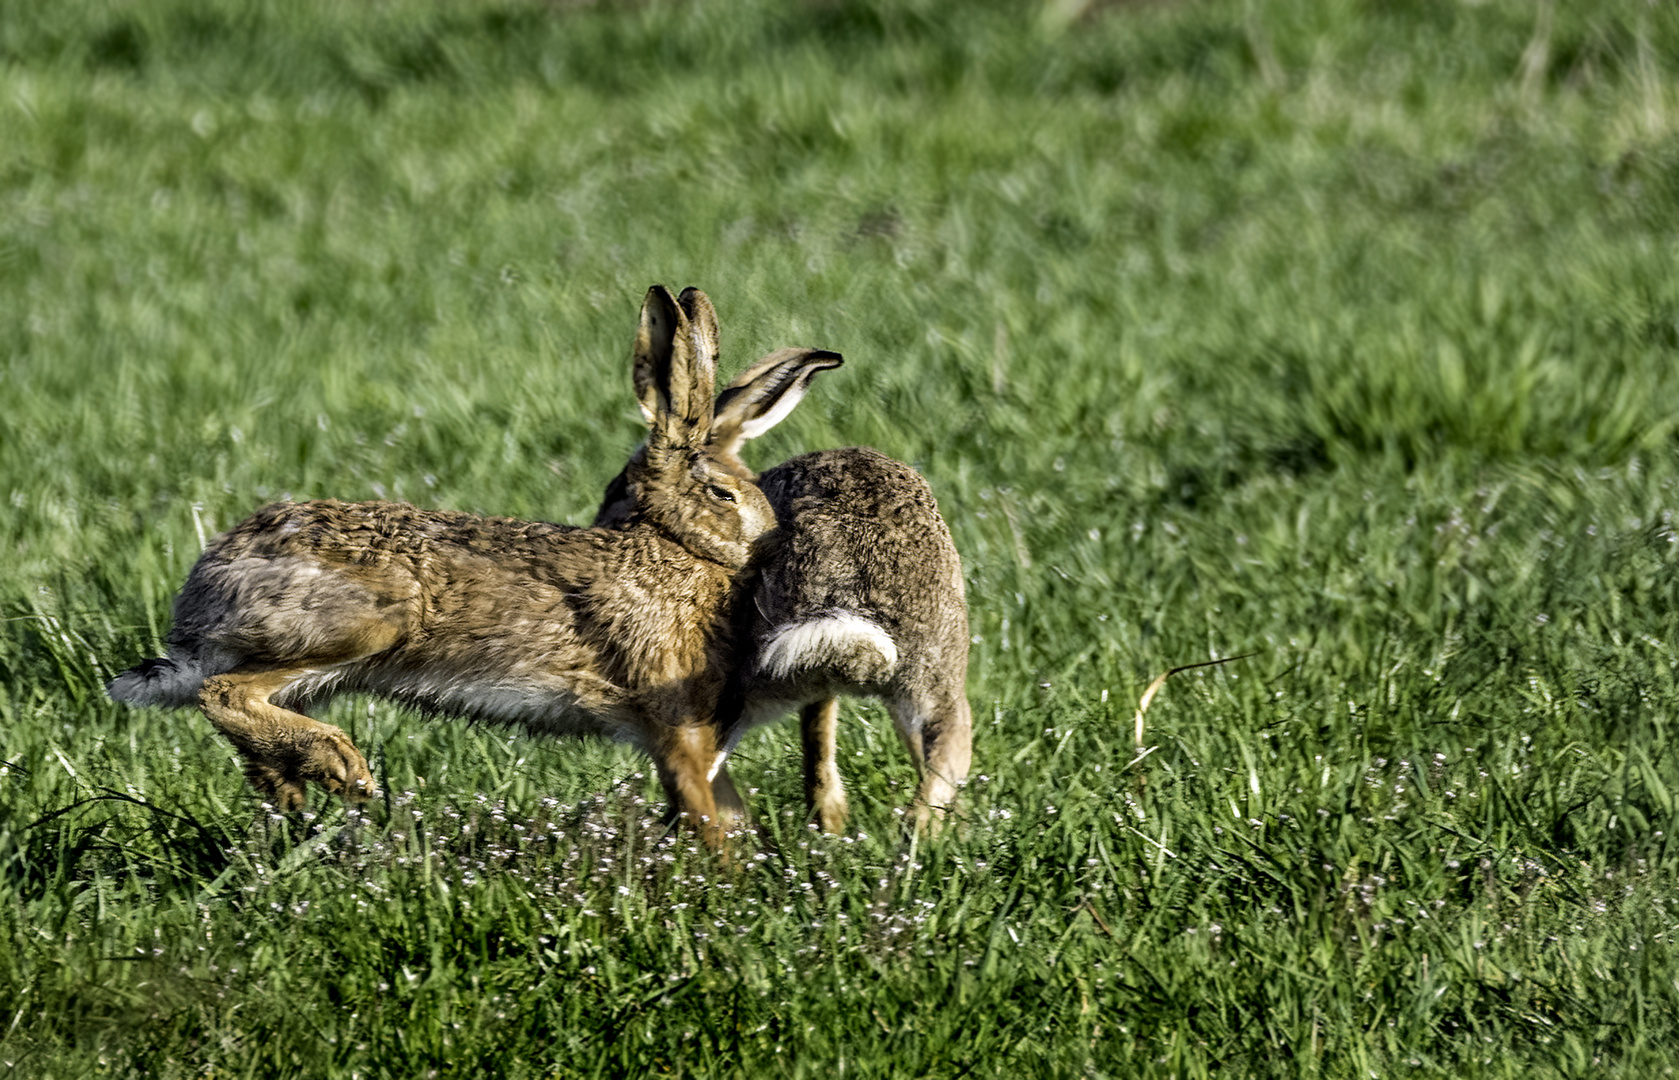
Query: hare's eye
720	492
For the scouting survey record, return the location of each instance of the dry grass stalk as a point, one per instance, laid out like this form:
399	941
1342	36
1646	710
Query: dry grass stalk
1160	680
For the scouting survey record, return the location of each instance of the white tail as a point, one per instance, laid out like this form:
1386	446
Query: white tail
842	642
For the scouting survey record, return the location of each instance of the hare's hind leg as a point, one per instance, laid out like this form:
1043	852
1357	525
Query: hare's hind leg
824	787
937	729
283	750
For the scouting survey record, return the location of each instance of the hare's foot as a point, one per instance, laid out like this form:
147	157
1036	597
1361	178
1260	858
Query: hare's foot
932	805
322	754
939	736
731	810
824	787
935	797
284	751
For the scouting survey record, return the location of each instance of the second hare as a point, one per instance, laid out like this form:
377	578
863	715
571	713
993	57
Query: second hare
627	633
862	596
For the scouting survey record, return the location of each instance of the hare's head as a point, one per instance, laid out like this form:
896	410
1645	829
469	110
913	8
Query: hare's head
758	399
673	483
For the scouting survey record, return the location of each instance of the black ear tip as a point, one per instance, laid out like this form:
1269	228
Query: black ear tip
659	305
693	301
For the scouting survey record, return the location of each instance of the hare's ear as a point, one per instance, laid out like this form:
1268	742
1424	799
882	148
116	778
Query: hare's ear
674	369
703	318
651	352
763	395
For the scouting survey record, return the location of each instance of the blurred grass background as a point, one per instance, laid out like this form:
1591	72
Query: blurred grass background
1340	332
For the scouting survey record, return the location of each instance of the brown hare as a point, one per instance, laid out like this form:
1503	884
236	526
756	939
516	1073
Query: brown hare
627	633
863	596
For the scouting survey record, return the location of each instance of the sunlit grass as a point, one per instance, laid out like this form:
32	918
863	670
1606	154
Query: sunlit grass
1341	335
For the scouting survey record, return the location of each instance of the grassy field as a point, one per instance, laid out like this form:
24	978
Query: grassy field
1342	334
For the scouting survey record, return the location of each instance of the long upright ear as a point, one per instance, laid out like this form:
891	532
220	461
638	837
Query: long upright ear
674	370
650	356
702	316
761	396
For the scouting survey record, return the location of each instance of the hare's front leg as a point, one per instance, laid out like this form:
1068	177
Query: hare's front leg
685	756
824	787
283	750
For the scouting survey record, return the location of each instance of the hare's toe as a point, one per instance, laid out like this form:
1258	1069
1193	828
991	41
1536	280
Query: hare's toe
332	761
284	792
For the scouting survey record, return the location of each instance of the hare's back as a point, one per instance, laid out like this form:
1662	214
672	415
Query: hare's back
854	482
319	579
861	533
370	533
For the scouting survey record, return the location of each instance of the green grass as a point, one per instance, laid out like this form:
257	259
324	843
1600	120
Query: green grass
1342	333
